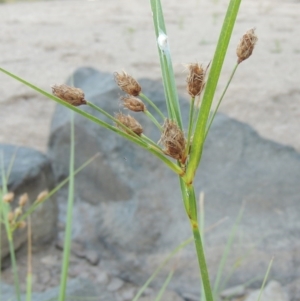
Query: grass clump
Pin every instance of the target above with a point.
(182, 154)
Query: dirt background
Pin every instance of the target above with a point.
(44, 42)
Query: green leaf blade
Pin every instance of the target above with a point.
(211, 85)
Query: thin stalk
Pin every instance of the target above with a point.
(1, 218)
(147, 139)
(202, 225)
(190, 128)
(220, 100)
(202, 261)
(121, 133)
(13, 259)
(164, 287)
(265, 279)
(158, 269)
(192, 214)
(226, 252)
(153, 105)
(153, 119)
(33, 207)
(29, 262)
(69, 219)
(9, 234)
(166, 63)
(115, 120)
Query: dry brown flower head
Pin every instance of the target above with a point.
(73, 96)
(8, 197)
(133, 104)
(173, 140)
(42, 195)
(246, 45)
(23, 199)
(195, 79)
(10, 217)
(129, 122)
(17, 212)
(21, 225)
(127, 83)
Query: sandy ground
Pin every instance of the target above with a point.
(44, 42)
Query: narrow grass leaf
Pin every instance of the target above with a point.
(210, 88)
(164, 287)
(265, 279)
(133, 139)
(5, 209)
(226, 252)
(158, 269)
(69, 218)
(166, 63)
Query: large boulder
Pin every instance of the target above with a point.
(129, 204)
(31, 173)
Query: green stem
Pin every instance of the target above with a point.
(220, 100)
(192, 214)
(153, 120)
(202, 262)
(153, 105)
(69, 219)
(9, 234)
(190, 128)
(13, 259)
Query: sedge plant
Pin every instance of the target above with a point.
(179, 152)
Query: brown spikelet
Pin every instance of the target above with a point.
(42, 196)
(73, 96)
(8, 197)
(195, 79)
(23, 199)
(129, 122)
(17, 212)
(21, 225)
(133, 104)
(127, 83)
(173, 140)
(246, 45)
(10, 217)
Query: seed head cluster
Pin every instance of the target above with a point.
(129, 122)
(73, 96)
(127, 83)
(14, 216)
(173, 140)
(133, 104)
(246, 45)
(195, 79)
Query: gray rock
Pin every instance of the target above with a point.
(75, 288)
(293, 289)
(31, 173)
(129, 206)
(167, 296)
(115, 284)
(232, 292)
(272, 292)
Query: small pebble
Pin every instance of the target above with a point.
(115, 284)
(102, 277)
(92, 257)
(233, 292)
